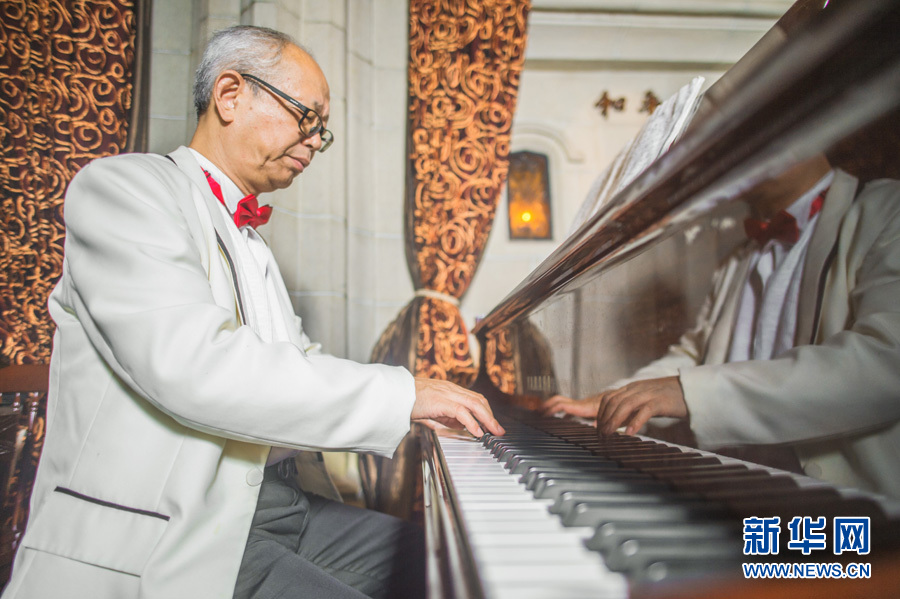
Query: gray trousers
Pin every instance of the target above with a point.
(305, 546)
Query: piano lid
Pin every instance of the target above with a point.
(786, 101)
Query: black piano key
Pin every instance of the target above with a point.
(705, 472)
(590, 472)
(635, 555)
(551, 488)
(633, 452)
(679, 570)
(810, 498)
(735, 485)
(508, 456)
(521, 465)
(675, 468)
(615, 443)
(669, 462)
(592, 514)
(501, 451)
(498, 448)
(610, 535)
(567, 501)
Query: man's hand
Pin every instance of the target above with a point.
(560, 404)
(441, 404)
(632, 404)
(635, 403)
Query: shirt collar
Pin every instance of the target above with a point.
(801, 207)
(231, 193)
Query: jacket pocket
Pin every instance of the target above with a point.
(96, 532)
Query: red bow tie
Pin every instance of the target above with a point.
(248, 211)
(782, 226)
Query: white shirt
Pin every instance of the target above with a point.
(766, 322)
(263, 278)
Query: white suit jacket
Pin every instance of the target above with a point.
(835, 397)
(164, 402)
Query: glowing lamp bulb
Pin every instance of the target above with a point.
(526, 216)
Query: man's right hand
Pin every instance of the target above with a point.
(629, 406)
(442, 404)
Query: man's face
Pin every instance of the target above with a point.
(271, 149)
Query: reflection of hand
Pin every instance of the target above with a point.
(584, 408)
(441, 404)
(635, 403)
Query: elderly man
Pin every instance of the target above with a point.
(799, 340)
(183, 390)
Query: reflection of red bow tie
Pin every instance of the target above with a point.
(248, 211)
(782, 226)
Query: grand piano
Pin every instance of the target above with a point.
(551, 509)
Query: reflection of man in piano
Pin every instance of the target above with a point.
(799, 340)
(182, 385)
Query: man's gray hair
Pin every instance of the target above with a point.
(243, 48)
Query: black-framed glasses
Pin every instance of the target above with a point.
(310, 123)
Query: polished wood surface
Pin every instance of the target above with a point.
(883, 584)
(24, 377)
(787, 103)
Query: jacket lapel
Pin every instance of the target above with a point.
(186, 162)
(724, 314)
(818, 255)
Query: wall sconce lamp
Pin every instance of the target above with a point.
(528, 193)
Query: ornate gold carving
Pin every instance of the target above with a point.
(499, 360)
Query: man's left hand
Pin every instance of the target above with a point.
(635, 403)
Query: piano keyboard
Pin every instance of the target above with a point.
(552, 510)
(521, 549)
